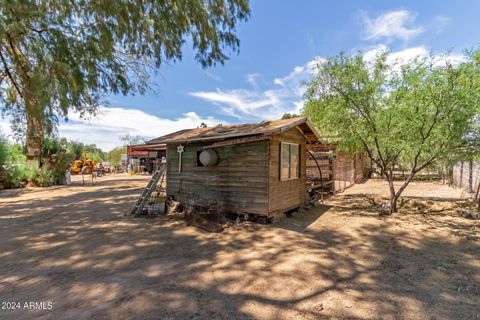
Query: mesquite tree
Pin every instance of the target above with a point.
(408, 115)
(58, 56)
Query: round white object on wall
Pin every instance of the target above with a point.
(208, 157)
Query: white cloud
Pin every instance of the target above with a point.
(213, 76)
(407, 55)
(281, 95)
(252, 79)
(239, 102)
(111, 123)
(284, 94)
(390, 26)
(400, 57)
(295, 78)
(440, 23)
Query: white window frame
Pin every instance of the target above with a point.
(282, 145)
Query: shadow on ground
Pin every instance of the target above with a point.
(79, 252)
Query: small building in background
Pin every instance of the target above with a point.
(253, 169)
(146, 157)
(123, 165)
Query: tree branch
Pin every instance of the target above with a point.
(9, 74)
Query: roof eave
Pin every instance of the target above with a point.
(314, 130)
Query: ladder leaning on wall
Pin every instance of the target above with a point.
(151, 186)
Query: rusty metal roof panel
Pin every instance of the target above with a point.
(267, 127)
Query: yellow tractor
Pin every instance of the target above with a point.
(78, 165)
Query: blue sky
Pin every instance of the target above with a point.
(278, 44)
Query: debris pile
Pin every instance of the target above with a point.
(469, 214)
(211, 217)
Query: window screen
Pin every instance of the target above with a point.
(289, 161)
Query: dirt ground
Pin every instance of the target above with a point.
(73, 247)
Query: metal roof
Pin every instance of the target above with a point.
(148, 147)
(267, 127)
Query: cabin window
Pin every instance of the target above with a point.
(289, 161)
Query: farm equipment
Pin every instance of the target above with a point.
(80, 166)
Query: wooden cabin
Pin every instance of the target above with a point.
(254, 169)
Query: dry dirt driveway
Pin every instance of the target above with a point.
(73, 247)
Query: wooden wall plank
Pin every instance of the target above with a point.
(238, 183)
(289, 193)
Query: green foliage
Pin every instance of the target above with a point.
(116, 154)
(3, 150)
(74, 150)
(58, 56)
(411, 115)
(57, 155)
(12, 163)
(50, 147)
(45, 177)
(16, 175)
(98, 157)
(290, 115)
(15, 154)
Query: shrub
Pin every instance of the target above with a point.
(16, 175)
(45, 177)
(3, 150)
(3, 159)
(15, 154)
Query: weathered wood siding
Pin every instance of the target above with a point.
(238, 183)
(359, 166)
(288, 194)
(348, 170)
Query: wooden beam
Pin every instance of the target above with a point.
(303, 134)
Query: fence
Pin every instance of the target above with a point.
(320, 156)
(347, 170)
(339, 170)
(466, 175)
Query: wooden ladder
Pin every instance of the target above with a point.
(152, 184)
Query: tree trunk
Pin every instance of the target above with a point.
(33, 110)
(33, 139)
(477, 196)
(393, 195)
(393, 204)
(470, 176)
(396, 196)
